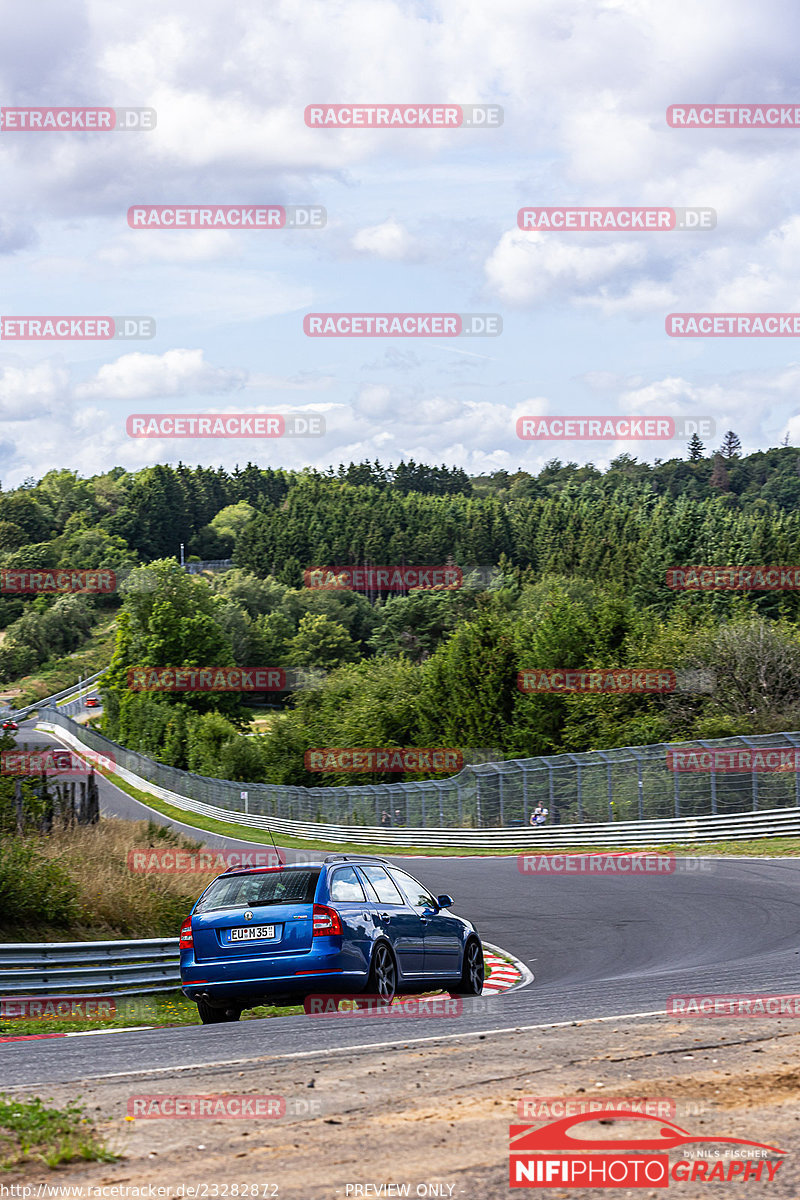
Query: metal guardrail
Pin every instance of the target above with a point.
(58, 968)
(770, 822)
(209, 564)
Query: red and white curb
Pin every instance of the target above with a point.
(506, 972)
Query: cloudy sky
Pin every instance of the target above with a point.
(417, 221)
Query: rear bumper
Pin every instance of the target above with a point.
(291, 976)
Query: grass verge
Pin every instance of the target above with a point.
(30, 1132)
(165, 1008)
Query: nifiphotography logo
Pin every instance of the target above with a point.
(557, 1155)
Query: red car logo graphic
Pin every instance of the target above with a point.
(557, 1136)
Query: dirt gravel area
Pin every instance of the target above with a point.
(433, 1119)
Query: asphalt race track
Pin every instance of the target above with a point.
(599, 946)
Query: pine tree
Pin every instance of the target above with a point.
(731, 446)
(696, 449)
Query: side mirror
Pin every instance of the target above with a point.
(445, 901)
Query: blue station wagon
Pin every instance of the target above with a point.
(349, 924)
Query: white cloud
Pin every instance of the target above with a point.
(526, 268)
(141, 377)
(27, 391)
(390, 241)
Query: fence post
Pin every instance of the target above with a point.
(677, 794)
(580, 793)
(93, 800)
(46, 823)
(524, 794)
(18, 806)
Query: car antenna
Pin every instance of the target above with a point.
(274, 847)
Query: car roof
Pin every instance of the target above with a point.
(330, 860)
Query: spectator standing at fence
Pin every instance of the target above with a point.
(540, 815)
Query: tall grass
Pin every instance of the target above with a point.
(76, 883)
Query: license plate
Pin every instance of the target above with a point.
(253, 933)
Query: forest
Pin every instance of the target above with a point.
(564, 568)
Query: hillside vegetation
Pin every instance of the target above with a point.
(566, 568)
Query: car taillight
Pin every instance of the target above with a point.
(186, 939)
(326, 921)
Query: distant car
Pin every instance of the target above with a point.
(93, 702)
(10, 725)
(348, 924)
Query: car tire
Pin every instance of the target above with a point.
(382, 980)
(473, 971)
(210, 1015)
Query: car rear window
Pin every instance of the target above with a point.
(268, 887)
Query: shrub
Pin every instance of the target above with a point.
(34, 889)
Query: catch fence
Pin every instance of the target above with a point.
(629, 784)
